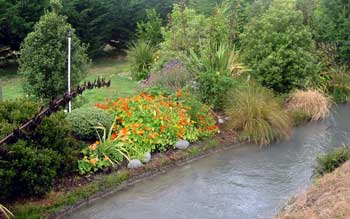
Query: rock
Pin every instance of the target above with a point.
(147, 158)
(182, 144)
(221, 121)
(133, 164)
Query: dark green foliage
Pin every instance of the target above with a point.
(43, 60)
(279, 48)
(150, 30)
(15, 112)
(212, 88)
(31, 166)
(84, 121)
(333, 159)
(299, 118)
(333, 26)
(17, 19)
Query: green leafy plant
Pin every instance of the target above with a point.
(8, 214)
(256, 115)
(140, 54)
(150, 30)
(279, 48)
(103, 153)
(327, 163)
(83, 121)
(34, 163)
(185, 30)
(338, 84)
(43, 60)
(148, 123)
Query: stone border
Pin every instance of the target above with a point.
(147, 174)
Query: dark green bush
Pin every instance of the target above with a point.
(32, 164)
(213, 86)
(299, 118)
(327, 163)
(83, 121)
(279, 48)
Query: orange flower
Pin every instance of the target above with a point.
(93, 161)
(123, 132)
(179, 93)
(152, 135)
(114, 136)
(140, 132)
(136, 125)
(92, 147)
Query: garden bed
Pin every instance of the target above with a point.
(81, 191)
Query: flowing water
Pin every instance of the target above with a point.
(247, 182)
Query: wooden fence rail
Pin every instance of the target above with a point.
(54, 106)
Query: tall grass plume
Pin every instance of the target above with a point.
(257, 115)
(311, 102)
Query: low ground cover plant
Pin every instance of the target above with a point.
(313, 103)
(256, 115)
(328, 162)
(145, 123)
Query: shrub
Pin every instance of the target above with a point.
(84, 121)
(140, 54)
(333, 26)
(299, 118)
(339, 84)
(28, 171)
(185, 30)
(311, 102)
(279, 48)
(333, 159)
(213, 86)
(256, 115)
(43, 60)
(173, 76)
(33, 163)
(150, 31)
(104, 153)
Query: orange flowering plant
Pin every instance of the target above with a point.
(146, 123)
(103, 153)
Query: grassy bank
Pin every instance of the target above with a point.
(58, 202)
(113, 69)
(328, 198)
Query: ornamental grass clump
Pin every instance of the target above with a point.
(311, 102)
(256, 115)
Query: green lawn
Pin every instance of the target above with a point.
(112, 69)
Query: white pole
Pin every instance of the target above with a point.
(69, 58)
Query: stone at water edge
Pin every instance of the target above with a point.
(147, 158)
(221, 121)
(133, 164)
(182, 144)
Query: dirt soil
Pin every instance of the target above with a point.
(328, 198)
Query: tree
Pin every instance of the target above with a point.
(150, 30)
(43, 60)
(17, 19)
(333, 26)
(279, 48)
